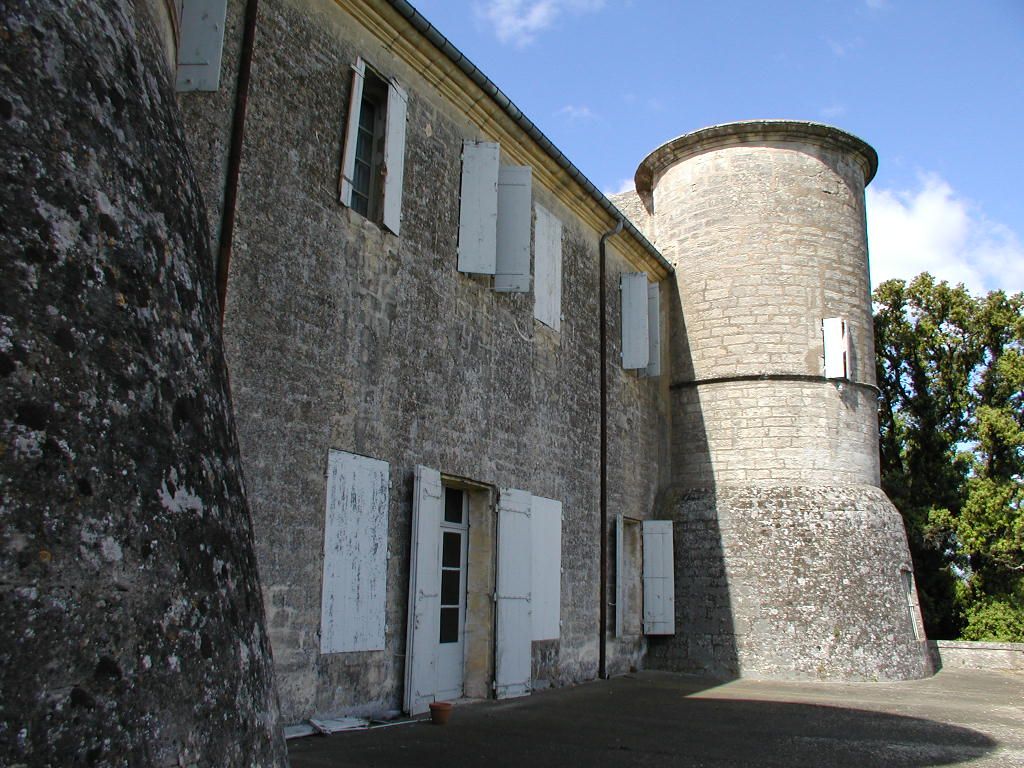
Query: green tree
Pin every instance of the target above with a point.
(951, 421)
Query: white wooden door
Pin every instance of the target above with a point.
(451, 639)
(513, 651)
(659, 578)
(424, 592)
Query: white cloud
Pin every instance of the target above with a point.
(841, 48)
(520, 21)
(626, 185)
(577, 112)
(933, 229)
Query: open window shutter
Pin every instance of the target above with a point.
(478, 208)
(394, 156)
(348, 154)
(201, 45)
(354, 589)
(547, 283)
(659, 578)
(512, 271)
(546, 567)
(514, 625)
(635, 348)
(653, 329)
(424, 588)
(620, 567)
(837, 348)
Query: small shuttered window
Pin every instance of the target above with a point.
(373, 158)
(835, 333)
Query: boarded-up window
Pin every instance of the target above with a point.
(835, 333)
(201, 42)
(635, 342)
(512, 271)
(478, 208)
(546, 567)
(547, 298)
(354, 588)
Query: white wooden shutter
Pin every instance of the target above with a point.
(201, 45)
(424, 592)
(653, 329)
(514, 625)
(478, 207)
(635, 349)
(836, 337)
(620, 567)
(348, 153)
(659, 578)
(546, 567)
(394, 156)
(512, 271)
(354, 588)
(547, 283)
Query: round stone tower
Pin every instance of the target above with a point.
(792, 563)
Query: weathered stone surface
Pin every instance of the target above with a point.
(131, 625)
(340, 335)
(790, 582)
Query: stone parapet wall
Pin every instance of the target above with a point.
(966, 654)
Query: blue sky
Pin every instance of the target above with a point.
(937, 87)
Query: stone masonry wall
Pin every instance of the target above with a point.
(753, 599)
(341, 335)
(131, 626)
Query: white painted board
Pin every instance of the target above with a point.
(424, 592)
(514, 624)
(547, 290)
(512, 270)
(635, 348)
(478, 208)
(354, 588)
(201, 44)
(394, 156)
(348, 152)
(546, 567)
(659, 578)
(620, 567)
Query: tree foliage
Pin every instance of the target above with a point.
(951, 423)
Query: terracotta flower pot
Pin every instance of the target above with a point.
(440, 711)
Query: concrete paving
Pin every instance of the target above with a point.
(958, 717)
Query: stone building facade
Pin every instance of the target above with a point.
(481, 413)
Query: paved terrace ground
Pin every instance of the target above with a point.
(958, 717)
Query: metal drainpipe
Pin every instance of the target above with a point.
(227, 221)
(602, 666)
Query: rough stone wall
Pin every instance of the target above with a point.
(341, 335)
(774, 432)
(770, 240)
(789, 557)
(753, 598)
(131, 629)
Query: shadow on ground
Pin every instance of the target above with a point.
(652, 719)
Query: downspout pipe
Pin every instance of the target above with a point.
(227, 221)
(602, 301)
